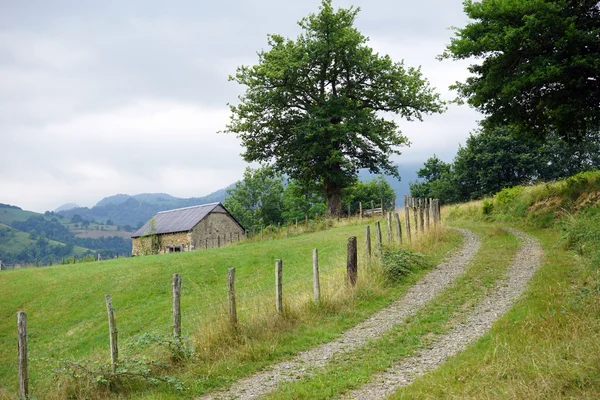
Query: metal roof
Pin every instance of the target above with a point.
(178, 220)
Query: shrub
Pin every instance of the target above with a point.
(400, 262)
(487, 207)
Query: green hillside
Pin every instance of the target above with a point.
(67, 319)
(13, 241)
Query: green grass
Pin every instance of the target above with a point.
(67, 318)
(352, 370)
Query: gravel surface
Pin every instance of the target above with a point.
(372, 328)
(527, 260)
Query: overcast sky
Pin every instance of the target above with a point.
(106, 97)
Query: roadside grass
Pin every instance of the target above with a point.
(67, 317)
(354, 369)
(546, 346)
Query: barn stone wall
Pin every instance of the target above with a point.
(217, 229)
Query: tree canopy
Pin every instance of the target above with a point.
(540, 65)
(315, 107)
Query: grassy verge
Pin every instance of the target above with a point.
(66, 310)
(354, 369)
(547, 346)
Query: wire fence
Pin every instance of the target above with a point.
(205, 303)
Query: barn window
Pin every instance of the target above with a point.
(174, 249)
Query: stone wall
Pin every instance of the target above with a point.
(217, 229)
(143, 245)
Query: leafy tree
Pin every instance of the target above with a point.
(314, 107)
(257, 199)
(76, 218)
(438, 181)
(540, 68)
(562, 160)
(493, 159)
(375, 190)
(109, 222)
(300, 201)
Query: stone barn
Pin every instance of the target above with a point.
(187, 229)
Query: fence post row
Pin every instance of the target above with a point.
(231, 297)
(22, 354)
(176, 306)
(112, 328)
(352, 262)
(278, 286)
(316, 284)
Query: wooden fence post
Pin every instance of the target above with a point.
(99, 257)
(22, 354)
(360, 209)
(368, 244)
(389, 227)
(231, 297)
(316, 284)
(407, 217)
(378, 234)
(422, 214)
(74, 259)
(352, 262)
(415, 212)
(398, 227)
(372, 209)
(278, 286)
(176, 306)
(428, 213)
(296, 225)
(349, 210)
(112, 328)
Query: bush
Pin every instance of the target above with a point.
(487, 207)
(398, 263)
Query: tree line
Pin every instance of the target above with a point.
(264, 197)
(495, 158)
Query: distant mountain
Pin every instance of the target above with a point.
(65, 207)
(123, 209)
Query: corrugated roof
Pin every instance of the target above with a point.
(178, 220)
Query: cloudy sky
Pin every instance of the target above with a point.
(106, 97)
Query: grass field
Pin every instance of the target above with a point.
(67, 317)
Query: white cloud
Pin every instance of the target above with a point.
(145, 147)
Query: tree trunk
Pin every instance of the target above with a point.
(334, 198)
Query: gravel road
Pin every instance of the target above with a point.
(492, 307)
(304, 363)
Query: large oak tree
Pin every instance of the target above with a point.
(538, 65)
(315, 108)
